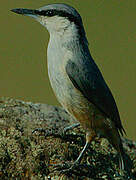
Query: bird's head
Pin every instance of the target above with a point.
(57, 18)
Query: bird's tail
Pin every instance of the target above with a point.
(121, 162)
(125, 162)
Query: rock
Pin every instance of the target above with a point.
(28, 154)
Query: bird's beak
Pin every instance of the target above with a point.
(27, 12)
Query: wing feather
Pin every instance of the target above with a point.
(88, 79)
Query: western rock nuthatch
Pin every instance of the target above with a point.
(75, 78)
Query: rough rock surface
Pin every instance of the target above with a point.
(28, 154)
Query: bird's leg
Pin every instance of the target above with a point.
(89, 138)
(78, 160)
(90, 135)
(67, 168)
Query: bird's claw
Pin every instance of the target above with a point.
(38, 129)
(48, 132)
(67, 168)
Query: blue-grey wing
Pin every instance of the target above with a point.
(88, 79)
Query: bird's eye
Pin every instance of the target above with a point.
(49, 13)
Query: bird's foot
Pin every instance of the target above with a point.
(71, 127)
(76, 167)
(69, 168)
(48, 132)
(51, 132)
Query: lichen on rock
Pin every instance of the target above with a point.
(29, 154)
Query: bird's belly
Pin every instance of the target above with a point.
(73, 101)
(69, 97)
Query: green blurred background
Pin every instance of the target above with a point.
(111, 31)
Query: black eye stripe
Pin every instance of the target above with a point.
(54, 12)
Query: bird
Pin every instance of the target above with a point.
(75, 77)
